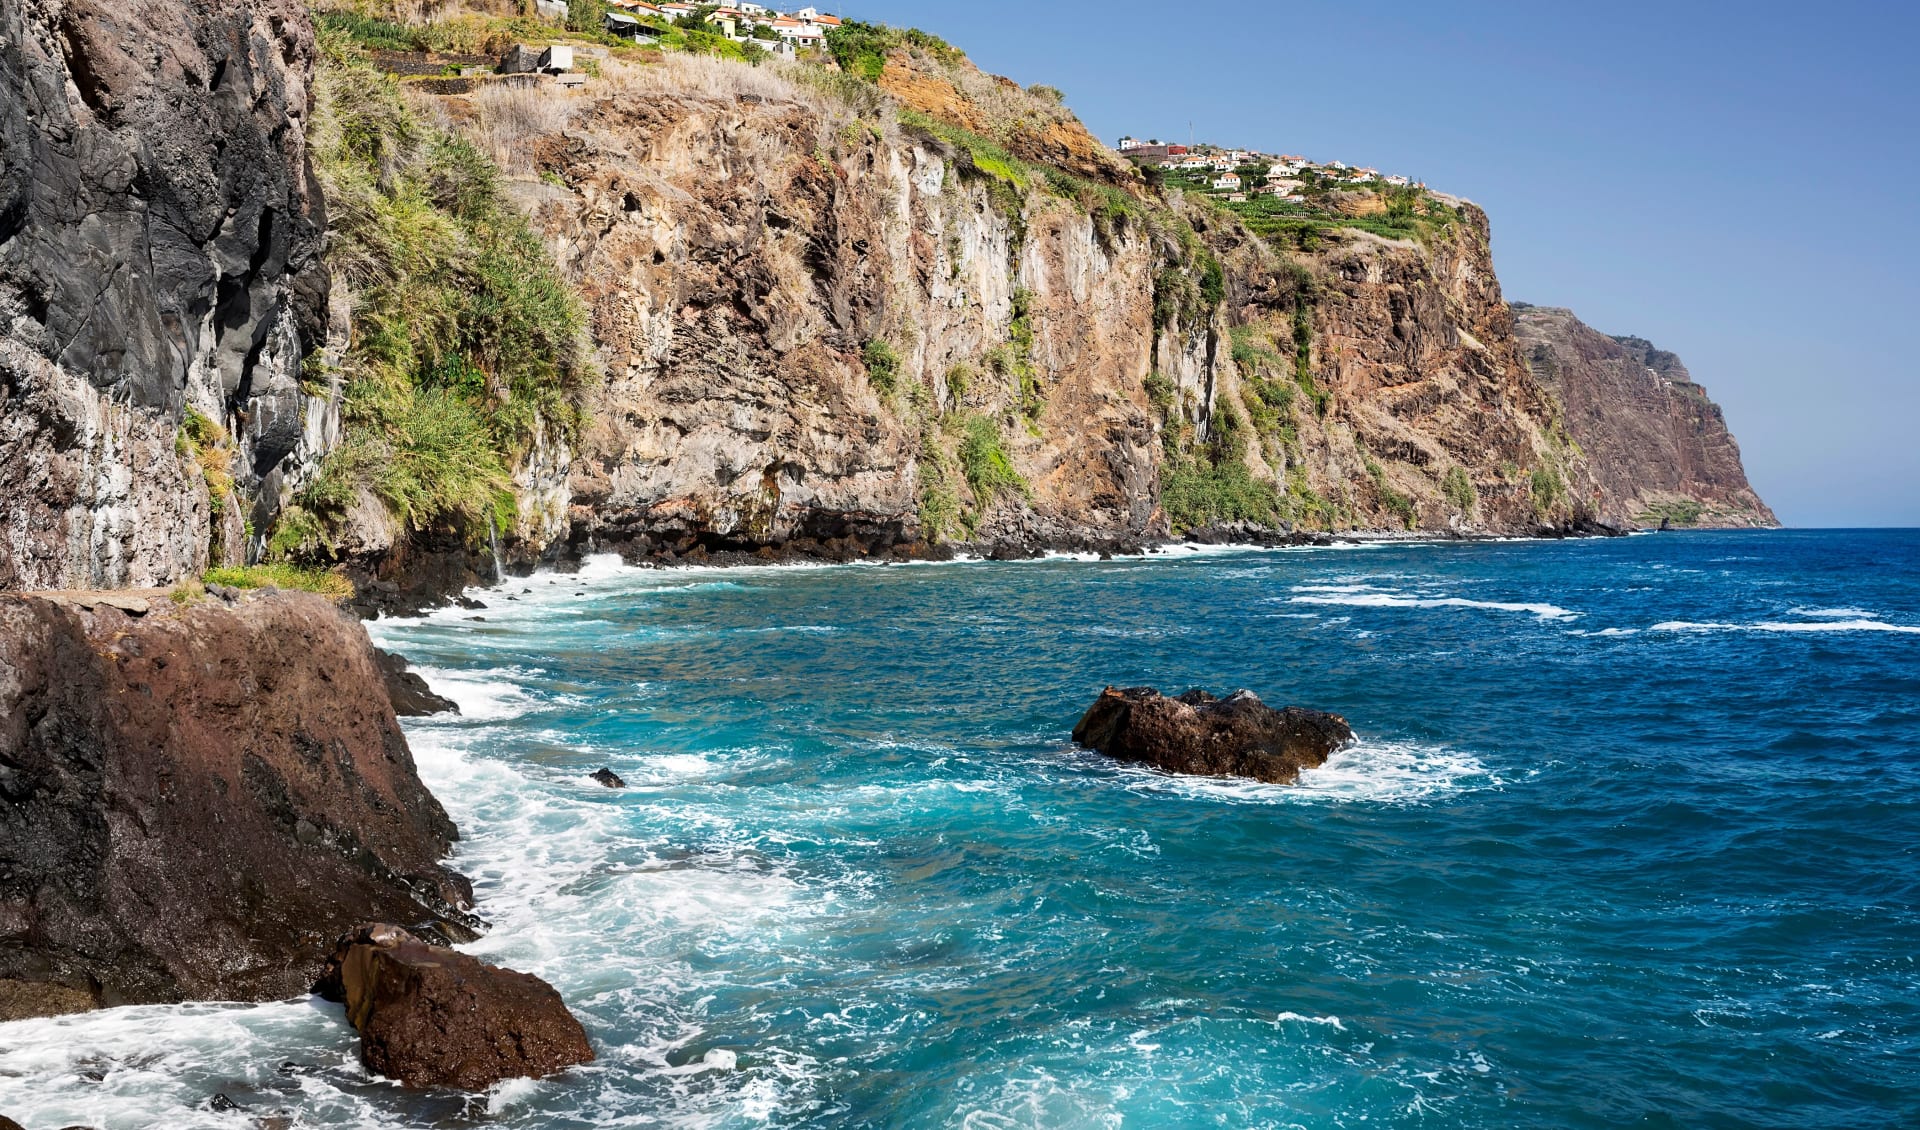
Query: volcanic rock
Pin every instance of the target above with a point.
(1658, 446)
(410, 694)
(609, 778)
(196, 802)
(1238, 736)
(433, 1017)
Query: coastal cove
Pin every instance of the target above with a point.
(1625, 840)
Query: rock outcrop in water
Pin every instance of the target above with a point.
(1659, 448)
(1197, 733)
(198, 800)
(407, 691)
(160, 242)
(433, 1017)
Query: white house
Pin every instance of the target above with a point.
(1127, 143)
(1228, 181)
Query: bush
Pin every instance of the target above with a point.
(586, 15)
(1159, 392)
(984, 462)
(1197, 492)
(1458, 487)
(1548, 490)
(883, 365)
(466, 339)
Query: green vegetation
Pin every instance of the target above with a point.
(883, 365)
(1007, 178)
(1459, 490)
(984, 462)
(959, 379)
(1303, 504)
(1269, 402)
(939, 506)
(1303, 358)
(1409, 212)
(1213, 485)
(474, 33)
(1395, 503)
(1549, 490)
(279, 575)
(1013, 359)
(1159, 392)
(1680, 512)
(211, 449)
(466, 340)
(861, 48)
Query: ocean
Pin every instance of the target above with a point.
(1630, 837)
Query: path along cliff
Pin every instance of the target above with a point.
(424, 329)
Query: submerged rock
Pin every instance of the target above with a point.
(410, 694)
(1238, 736)
(433, 1017)
(195, 802)
(609, 778)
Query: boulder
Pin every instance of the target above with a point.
(609, 778)
(1236, 736)
(410, 694)
(434, 1017)
(196, 801)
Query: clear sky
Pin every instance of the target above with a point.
(1739, 183)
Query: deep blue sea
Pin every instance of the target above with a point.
(1631, 838)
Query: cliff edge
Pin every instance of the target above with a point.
(1658, 446)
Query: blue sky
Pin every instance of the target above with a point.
(1736, 182)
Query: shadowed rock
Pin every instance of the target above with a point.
(433, 1017)
(1238, 736)
(609, 778)
(411, 696)
(195, 802)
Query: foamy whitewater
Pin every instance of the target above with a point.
(1628, 839)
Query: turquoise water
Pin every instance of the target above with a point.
(1629, 839)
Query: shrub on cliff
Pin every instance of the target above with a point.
(988, 470)
(466, 341)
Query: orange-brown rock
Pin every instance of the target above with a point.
(1032, 126)
(430, 1016)
(1658, 445)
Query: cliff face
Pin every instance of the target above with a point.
(822, 323)
(159, 240)
(196, 801)
(1658, 446)
(802, 313)
(833, 317)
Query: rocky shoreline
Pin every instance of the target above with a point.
(451, 572)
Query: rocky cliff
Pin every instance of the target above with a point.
(893, 308)
(159, 264)
(1657, 445)
(197, 799)
(835, 323)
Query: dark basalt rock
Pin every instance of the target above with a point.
(1238, 736)
(609, 778)
(410, 694)
(194, 803)
(433, 1017)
